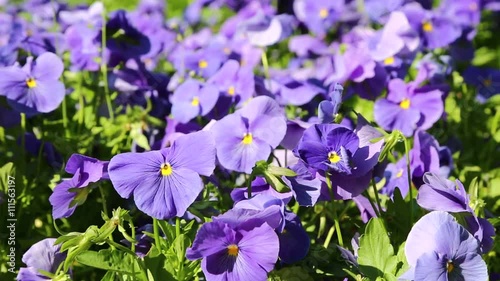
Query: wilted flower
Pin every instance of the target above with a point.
(165, 182)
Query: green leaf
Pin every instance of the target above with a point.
(376, 254)
(156, 269)
(403, 265)
(111, 260)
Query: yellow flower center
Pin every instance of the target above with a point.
(427, 26)
(333, 157)
(31, 83)
(247, 138)
(399, 174)
(487, 82)
(227, 51)
(405, 104)
(202, 64)
(323, 13)
(449, 267)
(232, 250)
(166, 170)
(389, 60)
(231, 91)
(195, 101)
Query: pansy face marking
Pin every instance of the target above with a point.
(166, 169)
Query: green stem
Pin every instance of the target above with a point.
(249, 185)
(379, 207)
(329, 237)
(177, 227)
(408, 171)
(265, 63)
(335, 216)
(156, 233)
(65, 119)
(103, 201)
(104, 69)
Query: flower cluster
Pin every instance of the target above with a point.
(253, 136)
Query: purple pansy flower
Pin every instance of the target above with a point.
(35, 87)
(486, 81)
(440, 249)
(424, 156)
(71, 193)
(84, 52)
(365, 208)
(440, 194)
(123, 40)
(167, 181)
(41, 256)
(435, 29)
(294, 241)
(408, 107)
(347, 157)
(235, 254)
(249, 134)
(318, 15)
(260, 186)
(234, 81)
(396, 175)
(193, 99)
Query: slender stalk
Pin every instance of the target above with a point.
(249, 185)
(329, 237)
(334, 212)
(103, 200)
(104, 69)
(408, 171)
(379, 207)
(156, 233)
(371, 203)
(177, 227)
(265, 63)
(65, 118)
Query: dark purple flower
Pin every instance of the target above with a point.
(230, 254)
(72, 193)
(486, 81)
(347, 157)
(249, 134)
(294, 241)
(167, 181)
(35, 146)
(294, 131)
(408, 107)
(192, 99)
(122, 38)
(438, 248)
(35, 87)
(41, 256)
